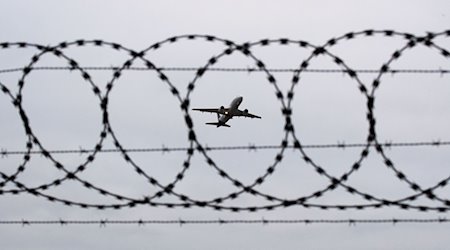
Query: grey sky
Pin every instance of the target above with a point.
(328, 108)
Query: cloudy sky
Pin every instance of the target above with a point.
(328, 108)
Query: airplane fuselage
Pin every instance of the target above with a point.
(231, 111)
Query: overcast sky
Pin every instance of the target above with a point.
(64, 113)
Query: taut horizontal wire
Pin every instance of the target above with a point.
(249, 70)
(141, 222)
(4, 152)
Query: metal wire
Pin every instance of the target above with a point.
(250, 147)
(248, 70)
(289, 139)
(181, 222)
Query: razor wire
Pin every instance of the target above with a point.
(288, 140)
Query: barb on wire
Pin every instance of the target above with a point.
(4, 153)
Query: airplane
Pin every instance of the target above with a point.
(225, 114)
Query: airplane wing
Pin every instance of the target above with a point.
(246, 114)
(223, 111)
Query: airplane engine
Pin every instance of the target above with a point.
(246, 111)
(221, 109)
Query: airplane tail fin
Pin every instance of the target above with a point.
(218, 124)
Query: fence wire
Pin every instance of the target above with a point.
(181, 222)
(289, 140)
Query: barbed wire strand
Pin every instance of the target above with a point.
(251, 147)
(230, 69)
(142, 222)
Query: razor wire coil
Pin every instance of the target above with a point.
(289, 139)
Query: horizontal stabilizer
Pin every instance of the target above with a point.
(218, 124)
